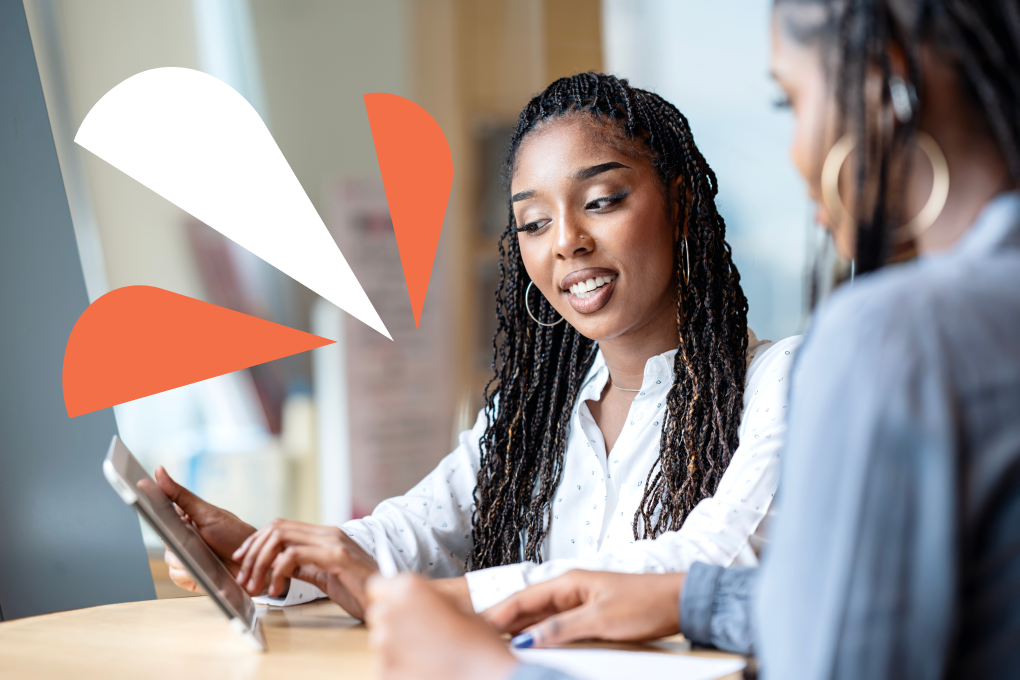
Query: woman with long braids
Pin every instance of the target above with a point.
(897, 550)
(616, 433)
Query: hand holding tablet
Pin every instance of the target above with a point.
(134, 485)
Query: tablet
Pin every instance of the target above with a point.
(134, 485)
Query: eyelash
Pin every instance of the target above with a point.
(782, 103)
(609, 200)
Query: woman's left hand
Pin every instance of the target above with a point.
(421, 633)
(286, 548)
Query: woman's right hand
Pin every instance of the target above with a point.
(222, 531)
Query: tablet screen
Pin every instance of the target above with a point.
(182, 538)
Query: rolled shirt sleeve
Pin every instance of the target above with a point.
(716, 607)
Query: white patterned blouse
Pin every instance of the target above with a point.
(429, 527)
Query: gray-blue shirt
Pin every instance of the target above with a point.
(897, 552)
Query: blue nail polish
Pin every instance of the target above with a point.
(523, 641)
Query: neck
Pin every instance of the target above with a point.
(977, 173)
(627, 353)
(977, 168)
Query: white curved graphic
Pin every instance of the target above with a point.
(199, 144)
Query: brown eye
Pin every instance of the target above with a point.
(532, 227)
(606, 201)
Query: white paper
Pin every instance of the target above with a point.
(610, 664)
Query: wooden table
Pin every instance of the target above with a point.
(188, 639)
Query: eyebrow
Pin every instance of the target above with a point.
(595, 170)
(586, 173)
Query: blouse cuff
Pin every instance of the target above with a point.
(491, 586)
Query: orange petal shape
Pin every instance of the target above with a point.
(417, 172)
(139, 340)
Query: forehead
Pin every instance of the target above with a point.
(558, 147)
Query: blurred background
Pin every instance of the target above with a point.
(324, 436)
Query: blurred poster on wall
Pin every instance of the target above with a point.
(400, 391)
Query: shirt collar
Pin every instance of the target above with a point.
(656, 367)
(996, 228)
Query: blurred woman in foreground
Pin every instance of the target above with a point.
(897, 553)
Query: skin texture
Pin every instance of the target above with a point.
(583, 605)
(439, 642)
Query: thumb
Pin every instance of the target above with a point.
(582, 623)
(186, 500)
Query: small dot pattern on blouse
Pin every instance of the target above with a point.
(430, 526)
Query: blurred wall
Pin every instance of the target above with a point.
(473, 64)
(711, 60)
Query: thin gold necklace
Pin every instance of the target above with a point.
(622, 389)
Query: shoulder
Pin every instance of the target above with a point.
(775, 358)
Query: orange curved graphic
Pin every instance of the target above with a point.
(417, 172)
(139, 340)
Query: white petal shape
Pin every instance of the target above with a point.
(199, 144)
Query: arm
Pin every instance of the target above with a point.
(717, 530)
(429, 527)
(418, 633)
(429, 530)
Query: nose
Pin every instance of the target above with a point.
(571, 238)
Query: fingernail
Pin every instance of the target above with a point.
(523, 641)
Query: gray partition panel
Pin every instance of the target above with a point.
(66, 539)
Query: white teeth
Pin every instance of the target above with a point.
(584, 288)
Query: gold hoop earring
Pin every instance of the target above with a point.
(528, 307)
(932, 207)
(687, 256)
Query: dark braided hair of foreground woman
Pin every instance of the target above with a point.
(539, 369)
(981, 37)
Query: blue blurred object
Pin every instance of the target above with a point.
(66, 539)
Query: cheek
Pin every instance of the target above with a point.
(538, 259)
(804, 151)
(646, 243)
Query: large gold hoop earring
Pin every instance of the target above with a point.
(528, 307)
(939, 187)
(932, 207)
(687, 256)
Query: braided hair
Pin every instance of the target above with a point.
(981, 37)
(538, 370)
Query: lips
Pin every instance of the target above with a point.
(589, 290)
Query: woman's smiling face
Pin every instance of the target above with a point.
(591, 215)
